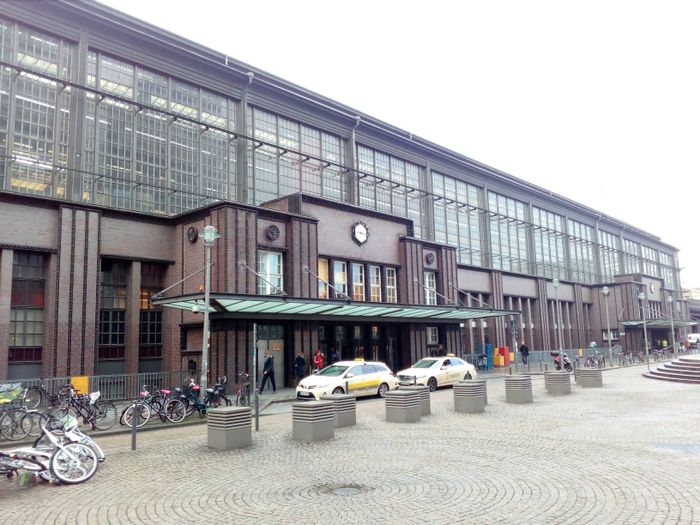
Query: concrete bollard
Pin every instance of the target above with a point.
(344, 409)
(469, 396)
(229, 428)
(591, 378)
(313, 421)
(403, 406)
(518, 389)
(557, 383)
(424, 397)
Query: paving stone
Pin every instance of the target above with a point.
(626, 453)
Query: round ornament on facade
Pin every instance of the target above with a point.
(273, 232)
(430, 258)
(192, 234)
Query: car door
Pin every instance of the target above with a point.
(372, 378)
(444, 373)
(457, 370)
(356, 383)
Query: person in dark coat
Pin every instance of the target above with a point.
(268, 372)
(299, 366)
(524, 352)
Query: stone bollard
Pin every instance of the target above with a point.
(557, 383)
(344, 408)
(424, 397)
(229, 427)
(313, 421)
(519, 389)
(591, 378)
(403, 406)
(470, 396)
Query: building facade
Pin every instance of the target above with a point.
(119, 142)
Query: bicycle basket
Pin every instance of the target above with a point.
(94, 397)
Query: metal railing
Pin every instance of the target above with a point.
(113, 387)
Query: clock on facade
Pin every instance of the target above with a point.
(273, 232)
(430, 258)
(360, 233)
(192, 234)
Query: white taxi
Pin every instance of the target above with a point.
(437, 371)
(362, 378)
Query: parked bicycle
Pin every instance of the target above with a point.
(243, 390)
(596, 360)
(217, 393)
(38, 395)
(154, 403)
(100, 415)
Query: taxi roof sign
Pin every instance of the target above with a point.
(360, 359)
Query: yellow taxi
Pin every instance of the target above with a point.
(362, 378)
(434, 372)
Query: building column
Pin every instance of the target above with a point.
(6, 259)
(133, 318)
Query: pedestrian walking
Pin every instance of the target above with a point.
(524, 352)
(318, 359)
(268, 372)
(299, 366)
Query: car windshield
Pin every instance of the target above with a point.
(425, 363)
(333, 370)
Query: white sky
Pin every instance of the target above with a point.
(598, 101)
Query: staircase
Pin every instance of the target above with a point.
(681, 370)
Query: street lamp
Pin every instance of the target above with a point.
(641, 297)
(669, 299)
(209, 235)
(606, 294)
(557, 334)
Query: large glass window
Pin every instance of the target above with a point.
(112, 327)
(430, 284)
(274, 170)
(668, 272)
(650, 261)
(457, 217)
(375, 284)
(631, 256)
(270, 269)
(150, 317)
(608, 253)
(41, 109)
(358, 282)
(340, 279)
(508, 227)
(27, 307)
(548, 236)
(392, 188)
(323, 274)
(391, 293)
(581, 252)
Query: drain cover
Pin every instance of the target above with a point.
(346, 491)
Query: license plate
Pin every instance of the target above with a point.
(304, 394)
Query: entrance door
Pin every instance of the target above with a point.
(271, 338)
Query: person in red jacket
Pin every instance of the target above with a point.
(318, 359)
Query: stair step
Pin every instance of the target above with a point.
(674, 373)
(673, 379)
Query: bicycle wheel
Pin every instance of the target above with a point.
(104, 415)
(175, 411)
(73, 463)
(143, 411)
(189, 408)
(33, 398)
(15, 425)
(39, 419)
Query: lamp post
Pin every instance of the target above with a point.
(209, 235)
(606, 293)
(641, 297)
(669, 299)
(557, 333)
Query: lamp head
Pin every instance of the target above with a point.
(195, 308)
(606, 291)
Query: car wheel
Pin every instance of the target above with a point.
(383, 389)
(432, 384)
(467, 375)
(337, 390)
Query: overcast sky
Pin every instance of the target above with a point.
(598, 101)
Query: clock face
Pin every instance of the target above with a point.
(360, 233)
(192, 234)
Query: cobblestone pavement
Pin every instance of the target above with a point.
(626, 453)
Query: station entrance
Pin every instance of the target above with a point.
(369, 341)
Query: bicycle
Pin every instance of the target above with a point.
(243, 390)
(100, 415)
(15, 423)
(37, 395)
(218, 393)
(154, 403)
